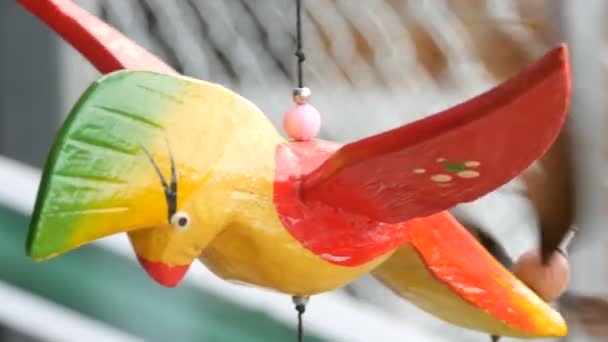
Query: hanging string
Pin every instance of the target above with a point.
(299, 53)
(303, 121)
(300, 308)
(300, 303)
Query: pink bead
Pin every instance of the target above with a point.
(302, 122)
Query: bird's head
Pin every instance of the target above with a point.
(167, 250)
(110, 170)
(156, 156)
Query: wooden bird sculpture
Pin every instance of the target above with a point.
(190, 170)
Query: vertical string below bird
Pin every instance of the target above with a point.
(300, 303)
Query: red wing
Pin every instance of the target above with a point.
(452, 157)
(105, 47)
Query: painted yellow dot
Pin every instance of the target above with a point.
(441, 160)
(419, 171)
(468, 174)
(441, 178)
(472, 163)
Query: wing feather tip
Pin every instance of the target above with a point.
(554, 66)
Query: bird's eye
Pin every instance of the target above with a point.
(180, 220)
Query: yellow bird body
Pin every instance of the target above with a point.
(253, 245)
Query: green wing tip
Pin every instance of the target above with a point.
(36, 249)
(46, 240)
(38, 254)
(33, 248)
(42, 249)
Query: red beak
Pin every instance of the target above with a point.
(166, 275)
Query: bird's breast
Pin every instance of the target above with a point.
(257, 247)
(338, 237)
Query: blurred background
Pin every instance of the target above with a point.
(372, 65)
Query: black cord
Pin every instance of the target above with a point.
(299, 53)
(300, 308)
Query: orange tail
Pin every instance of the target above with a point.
(446, 272)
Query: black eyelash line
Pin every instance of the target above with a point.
(170, 189)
